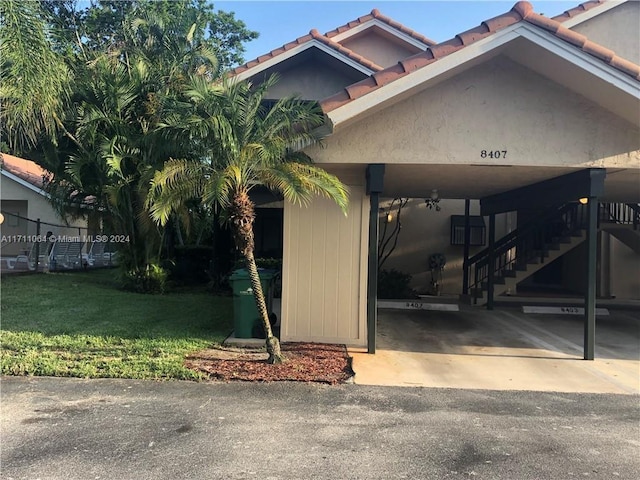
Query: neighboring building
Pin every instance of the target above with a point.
(23, 200)
(521, 116)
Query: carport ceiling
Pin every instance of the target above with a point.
(477, 181)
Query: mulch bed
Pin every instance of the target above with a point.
(306, 362)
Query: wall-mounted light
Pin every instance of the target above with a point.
(1, 219)
(389, 217)
(584, 200)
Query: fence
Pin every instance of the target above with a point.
(33, 245)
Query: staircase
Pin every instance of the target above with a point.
(531, 247)
(622, 220)
(526, 250)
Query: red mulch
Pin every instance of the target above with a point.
(305, 362)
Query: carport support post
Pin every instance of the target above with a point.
(590, 294)
(492, 260)
(375, 181)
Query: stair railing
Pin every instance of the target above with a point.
(525, 244)
(620, 214)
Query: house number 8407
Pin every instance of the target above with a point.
(493, 154)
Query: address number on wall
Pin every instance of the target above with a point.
(493, 154)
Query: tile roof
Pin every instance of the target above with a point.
(522, 11)
(583, 7)
(312, 35)
(375, 14)
(27, 170)
(326, 39)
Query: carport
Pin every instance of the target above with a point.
(585, 184)
(502, 349)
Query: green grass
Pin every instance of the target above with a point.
(81, 325)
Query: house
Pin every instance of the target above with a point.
(27, 212)
(525, 124)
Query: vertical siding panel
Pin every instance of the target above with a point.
(355, 269)
(316, 260)
(322, 272)
(332, 267)
(289, 271)
(305, 273)
(345, 274)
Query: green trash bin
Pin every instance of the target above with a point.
(245, 312)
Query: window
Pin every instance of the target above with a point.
(476, 225)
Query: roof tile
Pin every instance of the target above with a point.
(502, 21)
(543, 22)
(375, 13)
(473, 35)
(598, 51)
(626, 66)
(446, 48)
(583, 7)
(389, 74)
(312, 35)
(417, 61)
(27, 170)
(356, 90)
(572, 37)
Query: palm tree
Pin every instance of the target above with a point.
(248, 144)
(34, 79)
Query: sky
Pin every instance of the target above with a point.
(280, 22)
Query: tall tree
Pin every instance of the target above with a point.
(250, 143)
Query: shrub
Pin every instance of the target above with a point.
(395, 284)
(149, 279)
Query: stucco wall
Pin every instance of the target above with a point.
(496, 106)
(35, 206)
(625, 271)
(382, 51)
(311, 80)
(324, 271)
(616, 29)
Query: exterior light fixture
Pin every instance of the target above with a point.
(433, 202)
(1, 219)
(584, 200)
(389, 217)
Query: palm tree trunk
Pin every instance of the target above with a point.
(273, 345)
(242, 215)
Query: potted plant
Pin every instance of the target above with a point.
(436, 262)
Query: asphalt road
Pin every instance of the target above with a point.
(120, 429)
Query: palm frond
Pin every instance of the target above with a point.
(298, 182)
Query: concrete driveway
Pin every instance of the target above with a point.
(503, 349)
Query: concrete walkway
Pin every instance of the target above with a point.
(504, 349)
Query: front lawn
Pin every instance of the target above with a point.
(80, 324)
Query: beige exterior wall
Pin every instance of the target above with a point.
(34, 206)
(324, 271)
(616, 29)
(625, 271)
(496, 106)
(381, 51)
(311, 80)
